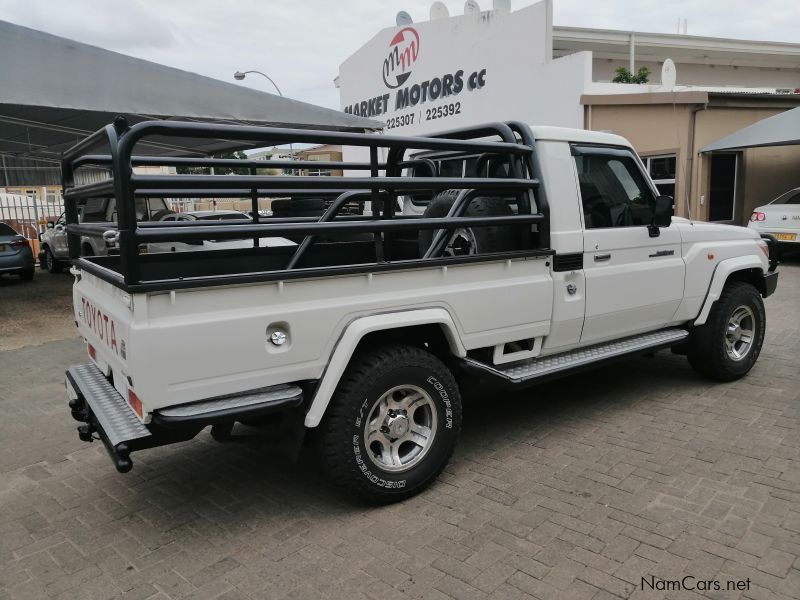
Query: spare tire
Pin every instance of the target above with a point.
(471, 240)
(159, 216)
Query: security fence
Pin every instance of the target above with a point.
(29, 213)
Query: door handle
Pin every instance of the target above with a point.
(601, 257)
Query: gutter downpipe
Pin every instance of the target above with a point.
(690, 156)
(631, 52)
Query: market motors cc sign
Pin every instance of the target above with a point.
(403, 53)
(403, 57)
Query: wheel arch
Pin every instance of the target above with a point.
(432, 327)
(749, 269)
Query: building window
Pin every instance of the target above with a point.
(662, 171)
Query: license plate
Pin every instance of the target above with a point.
(783, 237)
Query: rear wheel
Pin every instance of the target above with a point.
(52, 264)
(392, 424)
(727, 346)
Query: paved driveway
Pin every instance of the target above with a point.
(576, 489)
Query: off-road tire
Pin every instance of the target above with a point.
(488, 239)
(27, 274)
(706, 349)
(342, 440)
(51, 263)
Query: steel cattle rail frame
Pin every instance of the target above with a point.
(381, 190)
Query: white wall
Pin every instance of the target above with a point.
(510, 52)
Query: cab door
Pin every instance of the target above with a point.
(634, 282)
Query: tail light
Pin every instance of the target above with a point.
(758, 216)
(18, 243)
(92, 351)
(135, 402)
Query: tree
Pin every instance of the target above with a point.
(623, 75)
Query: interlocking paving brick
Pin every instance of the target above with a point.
(574, 489)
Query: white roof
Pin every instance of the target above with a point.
(567, 134)
(615, 44)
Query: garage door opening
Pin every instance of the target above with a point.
(722, 187)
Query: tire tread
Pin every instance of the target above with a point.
(364, 368)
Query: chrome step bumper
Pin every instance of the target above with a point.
(105, 414)
(574, 360)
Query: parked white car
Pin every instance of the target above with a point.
(212, 215)
(780, 218)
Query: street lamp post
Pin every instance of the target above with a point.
(240, 75)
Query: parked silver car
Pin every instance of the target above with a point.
(54, 252)
(16, 256)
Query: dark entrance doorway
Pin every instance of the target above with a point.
(722, 187)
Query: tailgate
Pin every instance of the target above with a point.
(104, 316)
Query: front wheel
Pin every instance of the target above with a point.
(51, 263)
(727, 346)
(392, 424)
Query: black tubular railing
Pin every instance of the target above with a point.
(383, 186)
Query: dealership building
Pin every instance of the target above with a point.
(496, 65)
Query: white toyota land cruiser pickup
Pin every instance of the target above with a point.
(550, 251)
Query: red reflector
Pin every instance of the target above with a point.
(134, 401)
(92, 351)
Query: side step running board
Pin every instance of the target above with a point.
(554, 365)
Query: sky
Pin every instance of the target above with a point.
(300, 43)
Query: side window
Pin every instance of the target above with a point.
(613, 189)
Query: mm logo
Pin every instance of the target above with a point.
(403, 52)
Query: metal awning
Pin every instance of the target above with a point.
(55, 91)
(779, 130)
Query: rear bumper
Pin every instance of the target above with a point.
(19, 261)
(105, 415)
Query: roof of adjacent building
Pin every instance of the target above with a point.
(614, 44)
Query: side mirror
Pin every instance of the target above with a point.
(662, 215)
(50, 225)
